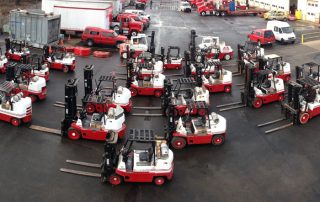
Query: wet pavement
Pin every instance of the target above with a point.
(250, 166)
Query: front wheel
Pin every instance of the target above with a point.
(178, 142)
(134, 92)
(223, 14)
(203, 13)
(257, 103)
(304, 118)
(115, 179)
(217, 140)
(89, 42)
(73, 134)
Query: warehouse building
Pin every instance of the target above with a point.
(307, 9)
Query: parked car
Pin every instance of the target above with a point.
(185, 6)
(276, 15)
(262, 36)
(95, 35)
(282, 31)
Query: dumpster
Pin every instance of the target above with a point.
(34, 26)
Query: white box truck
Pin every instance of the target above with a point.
(282, 31)
(78, 14)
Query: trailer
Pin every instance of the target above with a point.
(72, 11)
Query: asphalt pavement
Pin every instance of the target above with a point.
(250, 166)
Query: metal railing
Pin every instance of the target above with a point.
(310, 37)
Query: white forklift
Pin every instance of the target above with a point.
(93, 127)
(214, 46)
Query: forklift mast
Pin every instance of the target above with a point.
(88, 75)
(192, 47)
(109, 160)
(171, 127)
(187, 67)
(46, 52)
(166, 99)
(152, 47)
(247, 95)
(70, 113)
(262, 63)
(291, 106)
(8, 44)
(11, 71)
(129, 73)
(199, 67)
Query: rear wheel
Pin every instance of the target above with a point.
(223, 14)
(304, 118)
(257, 103)
(217, 140)
(89, 42)
(73, 134)
(15, 122)
(159, 181)
(203, 13)
(134, 92)
(285, 19)
(115, 179)
(217, 13)
(178, 142)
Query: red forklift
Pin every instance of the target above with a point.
(143, 158)
(102, 98)
(148, 86)
(58, 58)
(183, 104)
(16, 49)
(39, 67)
(260, 88)
(303, 100)
(78, 125)
(208, 129)
(173, 60)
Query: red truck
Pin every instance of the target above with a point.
(206, 9)
(138, 18)
(95, 35)
(126, 25)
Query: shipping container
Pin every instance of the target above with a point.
(34, 26)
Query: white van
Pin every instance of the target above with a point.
(282, 31)
(138, 12)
